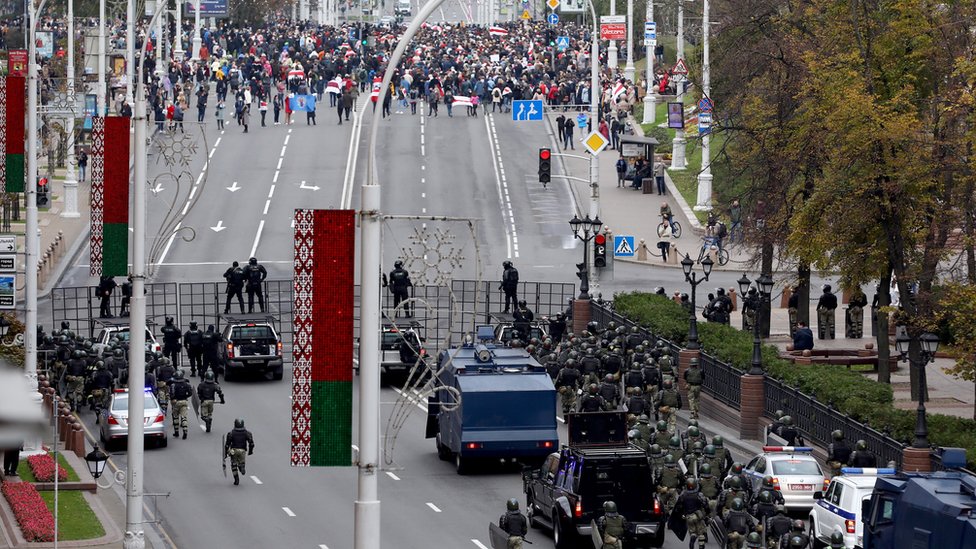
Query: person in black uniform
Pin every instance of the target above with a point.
(239, 443)
(557, 327)
(234, 275)
(825, 313)
(778, 525)
(523, 320)
(164, 376)
(172, 341)
(193, 341)
(106, 285)
(838, 452)
(11, 458)
(126, 297)
(255, 275)
(211, 351)
(101, 389)
(789, 432)
(591, 401)
(399, 282)
(514, 524)
(862, 457)
(693, 506)
(509, 285)
(206, 390)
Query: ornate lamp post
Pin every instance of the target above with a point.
(586, 230)
(929, 346)
(693, 279)
(765, 284)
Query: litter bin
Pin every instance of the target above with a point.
(648, 185)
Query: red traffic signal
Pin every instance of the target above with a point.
(544, 154)
(545, 166)
(600, 239)
(600, 250)
(41, 183)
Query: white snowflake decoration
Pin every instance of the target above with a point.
(432, 257)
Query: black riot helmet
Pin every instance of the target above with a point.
(512, 503)
(239, 423)
(252, 261)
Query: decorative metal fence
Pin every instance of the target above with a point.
(816, 421)
(443, 313)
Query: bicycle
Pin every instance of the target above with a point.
(674, 226)
(708, 242)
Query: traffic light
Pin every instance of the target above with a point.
(43, 192)
(600, 250)
(545, 166)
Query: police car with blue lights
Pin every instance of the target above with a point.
(114, 424)
(796, 474)
(838, 509)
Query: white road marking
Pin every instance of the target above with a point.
(217, 142)
(280, 160)
(267, 204)
(257, 239)
(256, 480)
(423, 195)
(423, 150)
(323, 546)
(287, 137)
(501, 183)
(193, 193)
(288, 511)
(433, 507)
(275, 178)
(391, 475)
(560, 420)
(271, 191)
(479, 544)
(283, 148)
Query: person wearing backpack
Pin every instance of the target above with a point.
(621, 171)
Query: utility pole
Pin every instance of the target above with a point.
(678, 161)
(612, 48)
(650, 100)
(100, 103)
(629, 69)
(160, 37)
(705, 176)
(71, 177)
(130, 45)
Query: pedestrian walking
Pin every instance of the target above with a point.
(659, 178)
(82, 165)
(276, 105)
(180, 392)
(263, 109)
(245, 116)
(220, 110)
(310, 113)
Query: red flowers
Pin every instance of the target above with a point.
(42, 465)
(35, 519)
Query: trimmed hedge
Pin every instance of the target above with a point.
(851, 393)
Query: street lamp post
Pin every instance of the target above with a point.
(629, 67)
(678, 161)
(71, 179)
(765, 283)
(612, 47)
(650, 101)
(693, 279)
(197, 40)
(586, 230)
(178, 49)
(705, 175)
(929, 346)
(100, 102)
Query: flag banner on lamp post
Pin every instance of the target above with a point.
(13, 103)
(110, 196)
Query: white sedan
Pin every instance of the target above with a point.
(796, 474)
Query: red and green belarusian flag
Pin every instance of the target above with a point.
(12, 105)
(110, 196)
(321, 413)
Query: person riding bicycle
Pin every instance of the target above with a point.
(667, 215)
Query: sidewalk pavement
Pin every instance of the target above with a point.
(630, 212)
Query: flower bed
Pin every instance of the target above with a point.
(35, 519)
(42, 466)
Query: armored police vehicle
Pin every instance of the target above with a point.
(491, 403)
(923, 510)
(567, 493)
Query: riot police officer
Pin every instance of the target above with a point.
(838, 452)
(567, 383)
(777, 526)
(234, 275)
(796, 539)
(557, 327)
(591, 401)
(172, 341)
(399, 282)
(709, 485)
(206, 390)
(738, 524)
(789, 433)
(636, 404)
(255, 274)
(670, 481)
(180, 392)
(523, 320)
(101, 389)
(837, 541)
(75, 372)
(211, 351)
(106, 285)
(164, 376)
(509, 285)
(193, 341)
(610, 391)
(238, 444)
(825, 313)
(855, 312)
(694, 377)
(514, 523)
(693, 506)
(668, 403)
(612, 526)
(862, 457)
(661, 435)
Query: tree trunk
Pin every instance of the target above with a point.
(970, 232)
(803, 293)
(884, 352)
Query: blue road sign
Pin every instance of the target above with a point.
(553, 18)
(623, 246)
(562, 43)
(526, 110)
(650, 30)
(704, 123)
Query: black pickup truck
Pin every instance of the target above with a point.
(568, 491)
(251, 344)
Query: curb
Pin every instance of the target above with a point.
(66, 261)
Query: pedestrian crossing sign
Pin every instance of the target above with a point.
(623, 246)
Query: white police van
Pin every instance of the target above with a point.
(839, 508)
